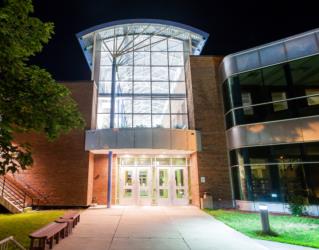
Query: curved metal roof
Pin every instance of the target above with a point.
(141, 26)
(277, 52)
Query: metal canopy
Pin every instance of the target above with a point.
(137, 28)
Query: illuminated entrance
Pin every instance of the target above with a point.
(153, 180)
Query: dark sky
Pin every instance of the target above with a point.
(232, 27)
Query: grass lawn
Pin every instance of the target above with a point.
(21, 225)
(288, 229)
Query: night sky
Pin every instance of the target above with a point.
(232, 27)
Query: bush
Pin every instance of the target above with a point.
(296, 205)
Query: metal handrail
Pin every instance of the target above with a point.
(5, 243)
(11, 191)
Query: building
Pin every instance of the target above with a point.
(165, 125)
(271, 107)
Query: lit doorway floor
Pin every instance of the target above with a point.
(153, 228)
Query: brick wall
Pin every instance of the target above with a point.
(100, 178)
(62, 169)
(208, 118)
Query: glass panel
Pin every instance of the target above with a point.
(160, 106)
(163, 177)
(143, 193)
(128, 193)
(158, 43)
(126, 59)
(104, 105)
(142, 88)
(178, 88)
(127, 161)
(123, 88)
(105, 73)
(105, 87)
(246, 100)
(175, 45)
(179, 177)
(143, 161)
(142, 121)
(143, 178)
(106, 59)
(160, 73)
(142, 73)
(159, 58)
(123, 121)
(277, 96)
(163, 193)
(142, 42)
(103, 121)
(179, 121)
(176, 58)
(178, 106)
(180, 193)
(123, 105)
(179, 161)
(161, 121)
(142, 58)
(313, 100)
(176, 74)
(142, 106)
(128, 177)
(124, 73)
(160, 88)
(162, 161)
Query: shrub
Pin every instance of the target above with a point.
(296, 205)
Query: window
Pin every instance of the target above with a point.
(313, 100)
(246, 100)
(150, 89)
(277, 96)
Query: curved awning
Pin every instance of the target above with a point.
(123, 28)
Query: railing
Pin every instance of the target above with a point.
(10, 243)
(17, 195)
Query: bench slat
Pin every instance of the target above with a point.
(48, 230)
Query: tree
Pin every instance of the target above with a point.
(30, 99)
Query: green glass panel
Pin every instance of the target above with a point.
(179, 177)
(127, 193)
(180, 193)
(128, 178)
(163, 177)
(163, 193)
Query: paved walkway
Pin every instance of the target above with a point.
(156, 228)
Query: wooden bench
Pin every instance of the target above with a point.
(47, 234)
(74, 216)
(69, 226)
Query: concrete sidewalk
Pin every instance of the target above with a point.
(156, 228)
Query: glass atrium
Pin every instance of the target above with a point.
(140, 72)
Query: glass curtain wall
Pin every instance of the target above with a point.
(276, 173)
(288, 90)
(148, 71)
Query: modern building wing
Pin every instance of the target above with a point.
(271, 103)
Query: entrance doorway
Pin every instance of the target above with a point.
(163, 181)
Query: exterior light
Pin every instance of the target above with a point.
(264, 219)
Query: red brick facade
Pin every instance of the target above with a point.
(63, 170)
(207, 116)
(70, 176)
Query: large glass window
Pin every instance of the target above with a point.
(283, 91)
(276, 173)
(150, 86)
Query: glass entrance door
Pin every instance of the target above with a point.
(153, 181)
(180, 187)
(144, 185)
(135, 186)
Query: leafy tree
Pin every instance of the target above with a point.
(30, 99)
